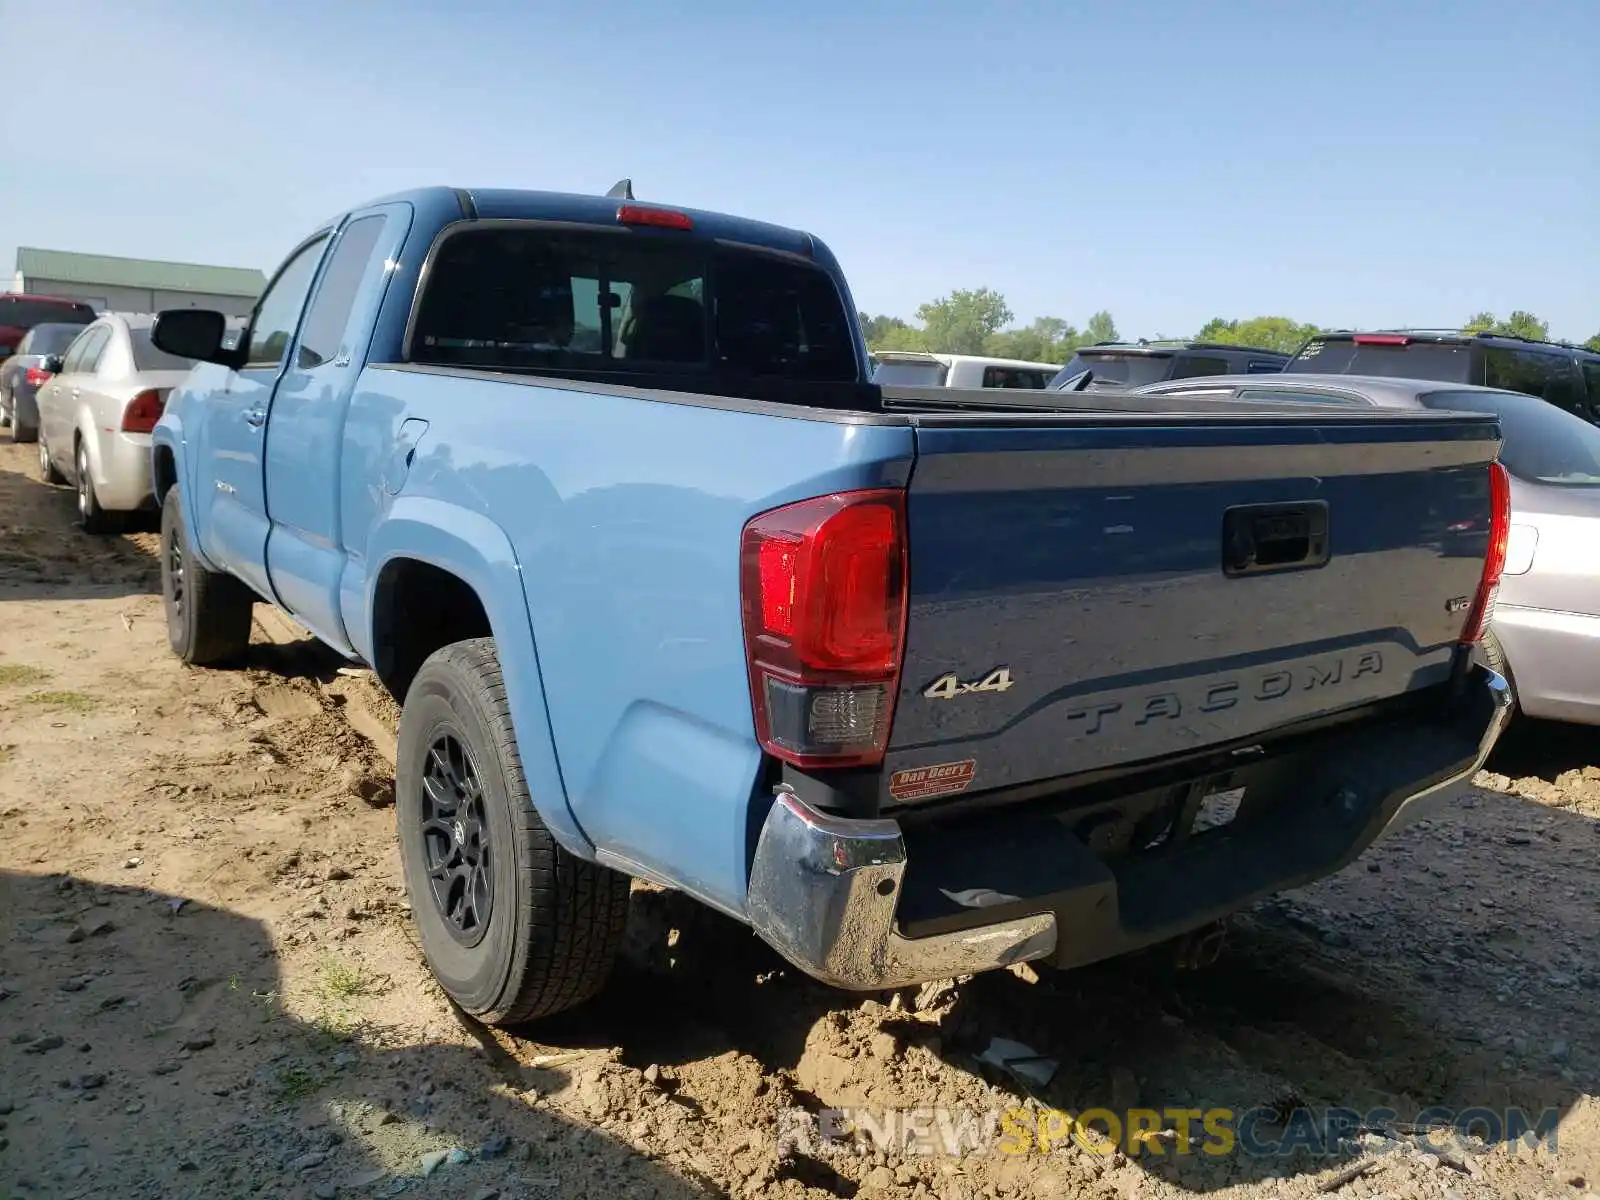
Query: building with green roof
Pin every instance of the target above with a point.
(115, 284)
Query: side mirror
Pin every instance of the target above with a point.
(52, 363)
(194, 333)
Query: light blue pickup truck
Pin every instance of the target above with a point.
(914, 682)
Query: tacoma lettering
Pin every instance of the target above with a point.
(1218, 697)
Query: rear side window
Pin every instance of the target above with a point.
(85, 355)
(1192, 366)
(74, 355)
(1591, 385)
(322, 332)
(1013, 377)
(1551, 377)
(509, 299)
(1448, 362)
(1542, 443)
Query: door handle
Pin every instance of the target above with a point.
(255, 417)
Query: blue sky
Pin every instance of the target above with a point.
(1364, 164)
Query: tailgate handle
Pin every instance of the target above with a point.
(1257, 538)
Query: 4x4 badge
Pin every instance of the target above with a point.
(949, 686)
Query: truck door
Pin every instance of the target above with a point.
(305, 428)
(230, 491)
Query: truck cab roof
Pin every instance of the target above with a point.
(510, 204)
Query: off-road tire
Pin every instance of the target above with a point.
(208, 613)
(555, 922)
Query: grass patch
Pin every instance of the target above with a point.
(77, 702)
(297, 1083)
(21, 675)
(344, 981)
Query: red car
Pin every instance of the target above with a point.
(19, 313)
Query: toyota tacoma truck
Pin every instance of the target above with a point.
(915, 683)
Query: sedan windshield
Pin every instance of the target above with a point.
(1543, 443)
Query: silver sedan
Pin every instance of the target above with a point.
(1545, 633)
(96, 414)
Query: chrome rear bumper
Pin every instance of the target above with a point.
(823, 892)
(824, 889)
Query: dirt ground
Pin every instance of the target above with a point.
(209, 985)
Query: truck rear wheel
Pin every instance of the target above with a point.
(208, 614)
(513, 926)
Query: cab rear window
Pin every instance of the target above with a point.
(1447, 362)
(511, 298)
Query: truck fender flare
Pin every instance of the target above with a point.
(477, 551)
(167, 436)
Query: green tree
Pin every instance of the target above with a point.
(875, 329)
(1046, 339)
(901, 336)
(1268, 333)
(963, 321)
(1518, 324)
(1593, 343)
(890, 333)
(1101, 328)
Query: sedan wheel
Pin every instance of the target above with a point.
(94, 518)
(47, 469)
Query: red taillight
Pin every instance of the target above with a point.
(142, 413)
(1381, 339)
(1494, 563)
(661, 218)
(37, 376)
(823, 584)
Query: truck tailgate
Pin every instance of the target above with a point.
(1090, 593)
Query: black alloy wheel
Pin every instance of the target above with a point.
(455, 839)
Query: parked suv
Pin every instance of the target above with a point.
(1119, 366)
(1567, 376)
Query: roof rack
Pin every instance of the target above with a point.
(1189, 344)
(1238, 346)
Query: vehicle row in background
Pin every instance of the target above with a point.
(1545, 631)
(38, 356)
(1565, 375)
(1119, 366)
(22, 355)
(909, 368)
